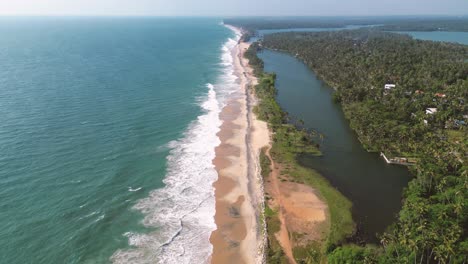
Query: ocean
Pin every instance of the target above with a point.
(107, 134)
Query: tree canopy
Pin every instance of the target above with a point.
(431, 227)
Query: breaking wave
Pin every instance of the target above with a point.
(181, 213)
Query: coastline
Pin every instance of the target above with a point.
(239, 236)
(304, 214)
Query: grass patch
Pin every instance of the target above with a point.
(341, 223)
(309, 254)
(275, 253)
(457, 136)
(265, 163)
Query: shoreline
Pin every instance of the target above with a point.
(239, 236)
(304, 214)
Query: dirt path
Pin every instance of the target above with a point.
(283, 235)
(299, 209)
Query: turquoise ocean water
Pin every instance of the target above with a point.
(107, 132)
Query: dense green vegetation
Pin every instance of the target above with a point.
(441, 24)
(359, 63)
(396, 23)
(352, 254)
(274, 252)
(291, 22)
(431, 227)
(265, 163)
(288, 142)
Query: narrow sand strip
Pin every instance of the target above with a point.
(239, 188)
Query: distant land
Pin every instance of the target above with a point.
(390, 23)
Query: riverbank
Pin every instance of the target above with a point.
(239, 237)
(305, 216)
(374, 191)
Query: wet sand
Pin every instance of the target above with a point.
(239, 237)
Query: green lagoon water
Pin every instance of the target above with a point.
(455, 37)
(107, 132)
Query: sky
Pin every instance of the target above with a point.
(234, 7)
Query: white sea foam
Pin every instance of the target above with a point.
(89, 215)
(99, 218)
(182, 212)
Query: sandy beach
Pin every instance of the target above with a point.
(239, 237)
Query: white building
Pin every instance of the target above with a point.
(389, 86)
(431, 111)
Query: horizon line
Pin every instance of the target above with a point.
(235, 16)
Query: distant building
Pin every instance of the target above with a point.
(431, 111)
(389, 86)
(425, 121)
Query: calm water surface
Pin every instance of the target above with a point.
(456, 37)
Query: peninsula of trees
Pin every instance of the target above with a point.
(390, 23)
(406, 98)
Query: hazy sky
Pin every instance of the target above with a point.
(233, 7)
